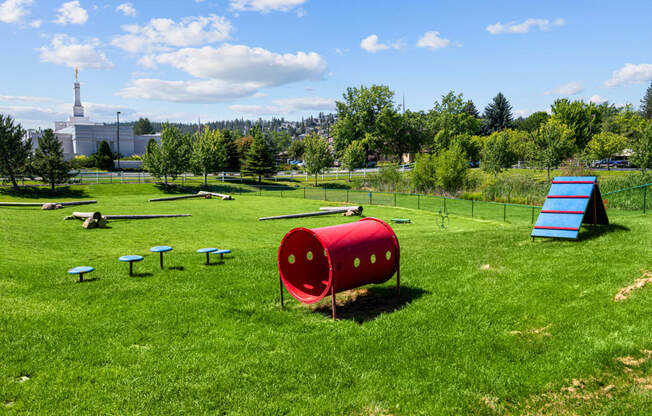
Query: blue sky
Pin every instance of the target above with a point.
(221, 59)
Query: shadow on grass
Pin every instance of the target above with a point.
(142, 275)
(35, 192)
(176, 268)
(366, 304)
(88, 280)
(590, 232)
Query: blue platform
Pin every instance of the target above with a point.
(571, 202)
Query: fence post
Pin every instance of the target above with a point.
(418, 201)
(445, 211)
(471, 208)
(644, 198)
(504, 212)
(532, 219)
(370, 200)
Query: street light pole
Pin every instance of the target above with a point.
(118, 137)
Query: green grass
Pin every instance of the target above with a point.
(198, 339)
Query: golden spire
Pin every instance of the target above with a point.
(76, 73)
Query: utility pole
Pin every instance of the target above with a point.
(118, 138)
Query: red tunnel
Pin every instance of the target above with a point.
(314, 263)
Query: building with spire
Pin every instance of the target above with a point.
(80, 136)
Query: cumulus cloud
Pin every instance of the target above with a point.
(240, 63)
(571, 88)
(12, 11)
(71, 12)
(630, 74)
(524, 27)
(36, 23)
(433, 41)
(23, 98)
(596, 99)
(372, 45)
(265, 6)
(159, 34)
(286, 106)
(66, 50)
(194, 91)
(127, 9)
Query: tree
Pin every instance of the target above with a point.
(449, 119)
(533, 122)
(469, 108)
(104, 157)
(296, 149)
(242, 145)
(552, 144)
(233, 157)
(605, 144)
(497, 115)
(496, 154)
(152, 158)
(259, 160)
(451, 168)
(279, 140)
(642, 147)
(143, 126)
(582, 120)
(48, 162)
(646, 103)
(209, 155)
(424, 175)
(14, 152)
(174, 153)
(354, 157)
(318, 155)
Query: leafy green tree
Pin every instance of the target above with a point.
(14, 151)
(354, 157)
(104, 157)
(279, 140)
(646, 103)
(259, 160)
(48, 162)
(449, 119)
(152, 159)
(498, 115)
(552, 144)
(582, 120)
(533, 122)
(424, 174)
(359, 113)
(625, 122)
(605, 144)
(642, 147)
(174, 152)
(143, 126)
(209, 155)
(296, 149)
(451, 168)
(317, 156)
(496, 154)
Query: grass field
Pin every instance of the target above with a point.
(489, 322)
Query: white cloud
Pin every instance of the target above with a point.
(265, 6)
(127, 9)
(195, 91)
(71, 12)
(148, 61)
(630, 74)
(65, 50)
(36, 23)
(596, 99)
(523, 112)
(12, 11)
(159, 34)
(286, 106)
(371, 44)
(524, 27)
(571, 88)
(23, 98)
(240, 63)
(433, 41)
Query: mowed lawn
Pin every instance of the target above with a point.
(489, 321)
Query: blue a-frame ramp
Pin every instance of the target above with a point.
(571, 201)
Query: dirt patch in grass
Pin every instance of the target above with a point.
(624, 293)
(534, 331)
(9, 403)
(23, 379)
(485, 267)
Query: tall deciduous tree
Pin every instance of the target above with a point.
(498, 115)
(209, 154)
(642, 147)
(143, 126)
(258, 160)
(604, 145)
(48, 162)
(552, 144)
(646, 103)
(14, 152)
(354, 157)
(452, 166)
(104, 157)
(424, 174)
(449, 119)
(496, 154)
(152, 159)
(318, 155)
(582, 120)
(174, 153)
(296, 149)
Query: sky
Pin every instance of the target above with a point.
(186, 60)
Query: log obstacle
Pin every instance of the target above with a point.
(223, 196)
(200, 194)
(86, 215)
(314, 263)
(324, 211)
(43, 204)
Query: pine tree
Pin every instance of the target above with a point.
(48, 162)
(646, 103)
(232, 155)
(259, 160)
(469, 108)
(104, 157)
(498, 115)
(143, 126)
(14, 152)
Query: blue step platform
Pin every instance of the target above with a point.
(571, 202)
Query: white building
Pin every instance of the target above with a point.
(80, 136)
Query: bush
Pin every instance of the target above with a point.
(82, 162)
(451, 167)
(424, 176)
(388, 179)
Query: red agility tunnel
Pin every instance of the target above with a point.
(314, 263)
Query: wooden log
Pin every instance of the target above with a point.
(70, 203)
(144, 217)
(173, 198)
(339, 209)
(40, 204)
(83, 215)
(223, 196)
(304, 214)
